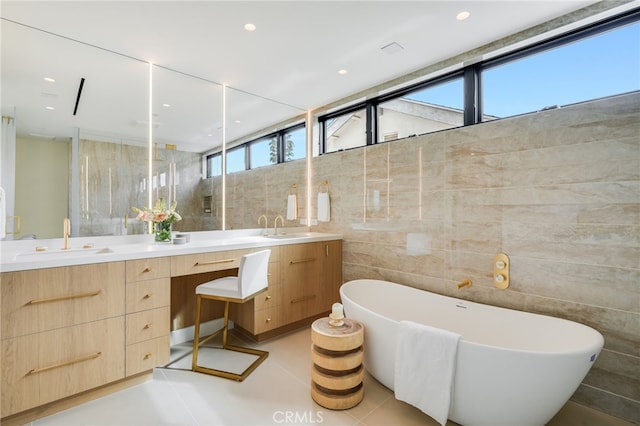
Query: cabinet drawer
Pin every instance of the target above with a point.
(47, 366)
(147, 325)
(206, 262)
(270, 298)
(146, 355)
(150, 294)
(148, 269)
(268, 319)
(46, 299)
(300, 305)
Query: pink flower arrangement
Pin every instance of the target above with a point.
(159, 212)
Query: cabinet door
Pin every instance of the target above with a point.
(44, 367)
(46, 299)
(332, 271)
(302, 270)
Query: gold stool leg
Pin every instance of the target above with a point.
(225, 328)
(262, 355)
(196, 334)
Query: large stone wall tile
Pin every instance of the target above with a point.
(621, 329)
(598, 285)
(585, 213)
(475, 237)
(428, 283)
(615, 372)
(624, 408)
(393, 258)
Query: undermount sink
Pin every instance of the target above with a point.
(46, 253)
(286, 236)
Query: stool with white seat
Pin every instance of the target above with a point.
(251, 280)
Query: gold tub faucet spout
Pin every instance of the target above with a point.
(464, 283)
(66, 231)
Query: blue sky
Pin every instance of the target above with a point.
(602, 65)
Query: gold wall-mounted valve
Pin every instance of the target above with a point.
(501, 271)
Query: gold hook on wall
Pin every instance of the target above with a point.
(294, 189)
(324, 186)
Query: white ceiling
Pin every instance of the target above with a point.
(287, 66)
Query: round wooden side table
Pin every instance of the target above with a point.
(337, 371)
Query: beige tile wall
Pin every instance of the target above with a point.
(558, 191)
(264, 191)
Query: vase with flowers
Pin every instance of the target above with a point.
(161, 217)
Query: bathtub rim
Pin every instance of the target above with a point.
(597, 344)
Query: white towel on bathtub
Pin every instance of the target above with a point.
(425, 368)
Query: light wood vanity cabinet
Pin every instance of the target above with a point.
(303, 280)
(71, 329)
(62, 332)
(312, 275)
(147, 313)
(303, 283)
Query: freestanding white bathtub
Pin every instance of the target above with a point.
(513, 368)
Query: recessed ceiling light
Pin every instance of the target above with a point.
(50, 108)
(166, 105)
(41, 135)
(49, 79)
(237, 121)
(343, 72)
(249, 27)
(462, 15)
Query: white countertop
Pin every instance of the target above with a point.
(22, 255)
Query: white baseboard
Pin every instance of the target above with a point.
(206, 328)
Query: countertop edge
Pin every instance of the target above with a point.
(151, 250)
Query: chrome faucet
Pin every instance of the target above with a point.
(275, 224)
(66, 231)
(266, 222)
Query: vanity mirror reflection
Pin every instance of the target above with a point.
(74, 131)
(84, 150)
(187, 120)
(264, 189)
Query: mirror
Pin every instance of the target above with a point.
(110, 169)
(92, 166)
(263, 190)
(78, 132)
(187, 117)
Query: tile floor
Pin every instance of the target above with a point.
(277, 393)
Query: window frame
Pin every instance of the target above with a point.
(281, 149)
(472, 79)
